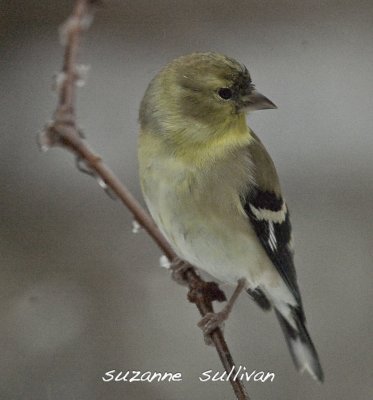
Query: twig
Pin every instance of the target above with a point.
(64, 132)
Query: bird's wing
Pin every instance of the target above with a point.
(269, 217)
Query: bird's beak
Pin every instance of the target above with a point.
(256, 101)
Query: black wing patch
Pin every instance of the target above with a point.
(269, 217)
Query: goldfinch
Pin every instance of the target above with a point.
(213, 190)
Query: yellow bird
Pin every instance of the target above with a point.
(213, 190)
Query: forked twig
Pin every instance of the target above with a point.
(63, 131)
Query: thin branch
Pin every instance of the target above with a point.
(64, 132)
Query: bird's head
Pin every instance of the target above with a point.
(207, 89)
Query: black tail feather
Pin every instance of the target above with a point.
(260, 298)
(301, 348)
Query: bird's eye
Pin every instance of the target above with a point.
(225, 93)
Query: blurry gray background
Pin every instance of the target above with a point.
(81, 294)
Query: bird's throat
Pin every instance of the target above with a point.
(218, 142)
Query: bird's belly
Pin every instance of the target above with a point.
(225, 247)
(223, 253)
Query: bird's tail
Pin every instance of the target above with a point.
(300, 344)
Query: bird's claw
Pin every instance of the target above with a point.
(178, 268)
(209, 323)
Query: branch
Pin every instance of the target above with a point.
(63, 131)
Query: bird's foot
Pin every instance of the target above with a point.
(210, 322)
(178, 269)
